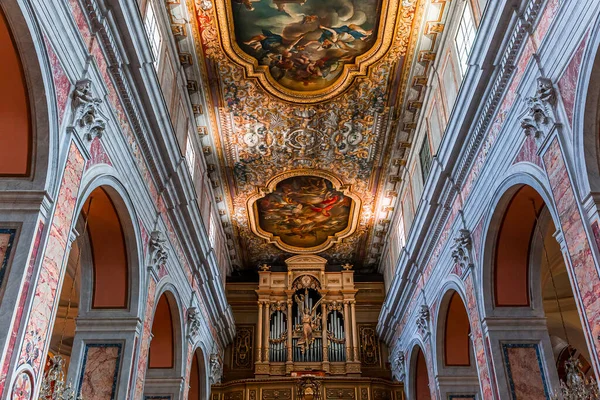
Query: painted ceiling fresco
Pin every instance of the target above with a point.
(303, 213)
(305, 44)
(300, 158)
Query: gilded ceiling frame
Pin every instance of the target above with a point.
(270, 238)
(385, 37)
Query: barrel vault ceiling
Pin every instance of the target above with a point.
(312, 104)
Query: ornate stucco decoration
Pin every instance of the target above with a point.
(398, 366)
(158, 250)
(423, 320)
(540, 116)
(256, 135)
(383, 33)
(307, 220)
(194, 320)
(216, 369)
(86, 111)
(309, 388)
(461, 251)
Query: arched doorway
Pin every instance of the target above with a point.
(420, 380)
(198, 377)
(533, 297)
(95, 292)
(164, 375)
(457, 372)
(15, 130)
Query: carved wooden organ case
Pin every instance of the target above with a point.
(307, 320)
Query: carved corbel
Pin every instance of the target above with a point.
(158, 250)
(461, 251)
(216, 369)
(398, 366)
(423, 320)
(194, 320)
(86, 114)
(540, 116)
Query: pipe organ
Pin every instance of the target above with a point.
(306, 319)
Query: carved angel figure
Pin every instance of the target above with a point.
(310, 321)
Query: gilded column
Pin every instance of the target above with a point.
(267, 322)
(347, 331)
(289, 330)
(324, 330)
(259, 334)
(354, 339)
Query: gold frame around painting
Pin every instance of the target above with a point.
(261, 192)
(383, 42)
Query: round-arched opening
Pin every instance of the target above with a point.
(530, 271)
(162, 346)
(457, 343)
(513, 247)
(96, 274)
(109, 255)
(197, 377)
(16, 129)
(421, 380)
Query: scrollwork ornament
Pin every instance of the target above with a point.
(216, 369)
(86, 110)
(158, 250)
(461, 251)
(540, 116)
(423, 320)
(194, 321)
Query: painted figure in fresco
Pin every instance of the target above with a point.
(305, 43)
(304, 209)
(342, 37)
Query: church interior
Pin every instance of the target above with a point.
(300, 199)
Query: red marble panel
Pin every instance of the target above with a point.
(97, 154)
(525, 374)
(596, 232)
(582, 266)
(528, 153)
(99, 373)
(62, 85)
(546, 19)
(38, 325)
(21, 305)
(478, 341)
(145, 343)
(567, 85)
(190, 358)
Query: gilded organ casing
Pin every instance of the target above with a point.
(307, 320)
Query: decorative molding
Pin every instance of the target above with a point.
(308, 387)
(243, 345)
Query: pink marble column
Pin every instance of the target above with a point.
(582, 267)
(483, 369)
(38, 324)
(145, 342)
